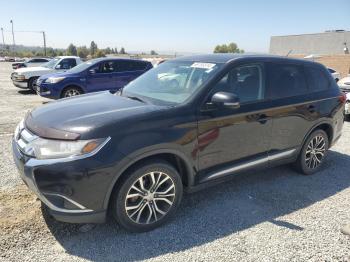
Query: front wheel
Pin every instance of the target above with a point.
(147, 197)
(32, 82)
(312, 154)
(71, 91)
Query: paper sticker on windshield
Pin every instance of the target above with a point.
(203, 65)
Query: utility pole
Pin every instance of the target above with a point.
(44, 36)
(13, 38)
(3, 39)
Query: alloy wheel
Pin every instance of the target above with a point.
(315, 152)
(71, 92)
(150, 198)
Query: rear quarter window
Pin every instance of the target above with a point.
(285, 80)
(316, 78)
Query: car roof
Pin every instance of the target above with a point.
(116, 58)
(227, 58)
(68, 56)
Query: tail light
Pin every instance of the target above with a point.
(342, 98)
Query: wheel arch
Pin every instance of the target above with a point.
(177, 159)
(325, 126)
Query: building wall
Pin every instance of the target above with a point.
(328, 43)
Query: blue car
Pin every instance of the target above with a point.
(92, 76)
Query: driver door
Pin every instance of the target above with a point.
(234, 139)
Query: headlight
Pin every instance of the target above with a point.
(54, 80)
(20, 77)
(47, 148)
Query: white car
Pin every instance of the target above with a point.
(344, 85)
(335, 74)
(26, 77)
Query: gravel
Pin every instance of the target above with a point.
(270, 215)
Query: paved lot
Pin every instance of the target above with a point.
(272, 215)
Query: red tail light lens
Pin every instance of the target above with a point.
(342, 98)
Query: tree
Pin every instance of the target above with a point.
(230, 48)
(83, 52)
(122, 51)
(116, 50)
(72, 50)
(153, 52)
(108, 50)
(93, 48)
(100, 53)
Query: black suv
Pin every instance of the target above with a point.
(185, 124)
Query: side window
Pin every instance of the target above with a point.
(136, 66)
(68, 63)
(122, 66)
(285, 80)
(107, 67)
(246, 81)
(316, 79)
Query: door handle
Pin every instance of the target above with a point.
(311, 108)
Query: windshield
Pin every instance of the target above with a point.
(51, 63)
(171, 82)
(83, 66)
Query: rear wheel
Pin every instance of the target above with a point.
(147, 197)
(71, 91)
(313, 152)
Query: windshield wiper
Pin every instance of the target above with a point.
(136, 98)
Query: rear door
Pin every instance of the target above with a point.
(128, 70)
(294, 108)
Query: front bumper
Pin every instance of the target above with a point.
(20, 84)
(45, 90)
(63, 187)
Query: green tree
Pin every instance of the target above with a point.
(72, 50)
(122, 51)
(115, 50)
(82, 51)
(100, 53)
(93, 48)
(153, 52)
(108, 50)
(230, 48)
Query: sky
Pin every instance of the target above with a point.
(169, 26)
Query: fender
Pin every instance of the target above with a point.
(131, 159)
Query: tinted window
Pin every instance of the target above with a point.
(129, 65)
(331, 70)
(41, 60)
(247, 82)
(285, 80)
(316, 79)
(107, 67)
(68, 63)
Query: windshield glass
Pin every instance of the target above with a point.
(171, 82)
(83, 66)
(51, 63)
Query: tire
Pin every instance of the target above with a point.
(316, 145)
(71, 91)
(31, 83)
(141, 212)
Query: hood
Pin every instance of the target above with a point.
(31, 69)
(87, 116)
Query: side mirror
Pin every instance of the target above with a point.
(226, 99)
(58, 67)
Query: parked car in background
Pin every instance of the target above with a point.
(335, 74)
(131, 154)
(344, 85)
(91, 76)
(31, 62)
(26, 77)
